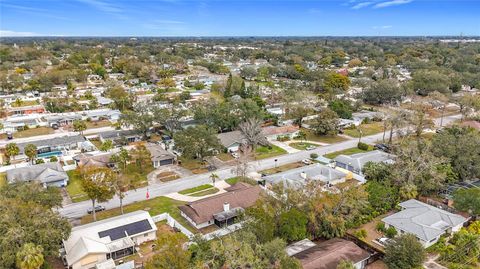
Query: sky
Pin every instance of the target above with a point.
(239, 18)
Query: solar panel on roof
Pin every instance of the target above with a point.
(130, 229)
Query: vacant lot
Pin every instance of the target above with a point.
(329, 139)
(30, 132)
(349, 151)
(282, 168)
(367, 129)
(302, 145)
(74, 187)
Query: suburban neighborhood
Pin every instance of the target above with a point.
(239, 152)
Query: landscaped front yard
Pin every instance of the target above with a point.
(367, 129)
(196, 189)
(265, 152)
(329, 139)
(349, 151)
(302, 145)
(196, 166)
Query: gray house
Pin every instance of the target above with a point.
(121, 136)
(298, 177)
(159, 155)
(355, 162)
(54, 146)
(424, 221)
(49, 174)
(231, 140)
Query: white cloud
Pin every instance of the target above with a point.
(168, 22)
(8, 33)
(382, 27)
(102, 6)
(362, 5)
(392, 3)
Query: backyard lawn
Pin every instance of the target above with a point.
(98, 124)
(265, 152)
(30, 132)
(302, 145)
(74, 187)
(329, 139)
(349, 151)
(367, 129)
(154, 206)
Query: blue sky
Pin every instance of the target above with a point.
(239, 18)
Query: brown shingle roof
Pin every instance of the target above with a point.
(328, 254)
(241, 195)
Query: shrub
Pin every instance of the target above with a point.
(39, 161)
(380, 227)
(53, 159)
(361, 234)
(391, 232)
(313, 155)
(362, 146)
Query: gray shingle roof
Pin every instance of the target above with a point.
(423, 220)
(229, 138)
(56, 141)
(44, 173)
(313, 172)
(357, 161)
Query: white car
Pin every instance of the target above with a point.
(310, 148)
(307, 161)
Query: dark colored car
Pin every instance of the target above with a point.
(9, 135)
(382, 147)
(98, 208)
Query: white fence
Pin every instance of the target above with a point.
(173, 223)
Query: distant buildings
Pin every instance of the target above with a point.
(424, 221)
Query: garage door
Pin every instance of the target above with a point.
(166, 162)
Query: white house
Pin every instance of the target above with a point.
(424, 221)
(113, 238)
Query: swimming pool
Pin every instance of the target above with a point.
(49, 154)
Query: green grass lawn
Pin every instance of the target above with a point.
(205, 192)
(329, 139)
(349, 151)
(98, 124)
(30, 132)
(232, 180)
(235, 180)
(154, 206)
(196, 189)
(367, 129)
(302, 145)
(265, 152)
(74, 187)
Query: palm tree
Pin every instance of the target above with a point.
(31, 152)
(30, 256)
(11, 150)
(214, 177)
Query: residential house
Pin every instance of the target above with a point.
(121, 136)
(231, 140)
(113, 238)
(25, 110)
(356, 162)
(222, 209)
(48, 174)
(329, 254)
(274, 132)
(299, 177)
(361, 116)
(112, 115)
(62, 119)
(57, 146)
(159, 155)
(94, 160)
(424, 221)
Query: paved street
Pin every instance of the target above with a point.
(77, 210)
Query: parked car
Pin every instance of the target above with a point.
(9, 135)
(384, 241)
(307, 161)
(98, 208)
(310, 148)
(382, 147)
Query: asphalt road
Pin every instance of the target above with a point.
(77, 210)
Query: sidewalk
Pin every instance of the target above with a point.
(284, 146)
